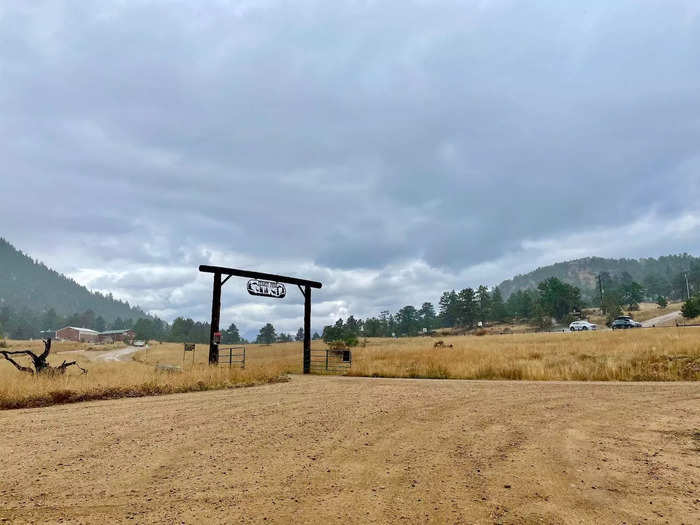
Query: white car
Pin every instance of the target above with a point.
(582, 325)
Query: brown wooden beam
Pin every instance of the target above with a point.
(215, 316)
(221, 270)
(307, 330)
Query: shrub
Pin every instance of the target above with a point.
(351, 341)
(3, 344)
(613, 312)
(691, 308)
(661, 301)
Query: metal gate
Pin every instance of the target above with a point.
(232, 356)
(333, 361)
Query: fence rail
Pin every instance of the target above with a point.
(232, 356)
(335, 361)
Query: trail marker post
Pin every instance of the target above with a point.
(263, 284)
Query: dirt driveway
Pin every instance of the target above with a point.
(339, 450)
(662, 320)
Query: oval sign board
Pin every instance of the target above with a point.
(266, 288)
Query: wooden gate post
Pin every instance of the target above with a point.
(303, 284)
(215, 315)
(307, 329)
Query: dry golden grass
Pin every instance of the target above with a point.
(286, 356)
(109, 380)
(629, 355)
(661, 354)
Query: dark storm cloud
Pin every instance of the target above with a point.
(469, 139)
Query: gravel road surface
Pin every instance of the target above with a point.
(661, 320)
(358, 450)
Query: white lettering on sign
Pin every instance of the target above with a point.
(266, 288)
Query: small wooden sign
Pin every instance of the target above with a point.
(189, 347)
(266, 288)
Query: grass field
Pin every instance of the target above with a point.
(661, 354)
(109, 380)
(667, 354)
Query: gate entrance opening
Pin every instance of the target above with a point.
(265, 288)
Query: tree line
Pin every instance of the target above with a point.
(465, 308)
(552, 298)
(26, 324)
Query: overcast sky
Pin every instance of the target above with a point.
(391, 150)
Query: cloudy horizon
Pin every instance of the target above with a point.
(390, 150)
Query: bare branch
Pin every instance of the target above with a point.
(16, 364)
(47, 349)
(19, 352)
(62, 367)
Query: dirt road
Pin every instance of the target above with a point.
(121, 354)
(666, 319)
(362, 450)
(116, 355)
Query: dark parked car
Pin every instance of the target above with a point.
(624, 322)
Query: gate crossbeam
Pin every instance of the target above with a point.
(303, 284)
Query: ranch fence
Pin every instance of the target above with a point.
(232, 356)
(333, 361)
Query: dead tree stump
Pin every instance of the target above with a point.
(41, 364)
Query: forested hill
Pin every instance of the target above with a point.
(31, 285)
(664, 272)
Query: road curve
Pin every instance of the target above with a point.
(662, 319)
(121, 354)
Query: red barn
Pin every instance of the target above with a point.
(72, 333)
(112, 336)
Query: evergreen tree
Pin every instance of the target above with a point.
(467, 308)
(407, 321)
(426, 316)
(352, 327)
(691, 308)
(231, 336)
(284, 337)
(483, 299)
(300, 335)
(267, 335)
(557, 299)
(100, 324)
(449, 309)
(498, 308)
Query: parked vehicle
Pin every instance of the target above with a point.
(582, 325)
(624, 323)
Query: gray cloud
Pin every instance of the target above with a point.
(468, 140)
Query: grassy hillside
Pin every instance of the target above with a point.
(26, 284)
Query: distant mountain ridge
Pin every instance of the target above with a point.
(29, 284)
(583, 272)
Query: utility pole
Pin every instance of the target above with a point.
(687, 286)
(600, 287)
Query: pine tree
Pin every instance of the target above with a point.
(498, 308)
(267, 335)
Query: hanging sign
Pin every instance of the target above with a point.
(266, 288)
